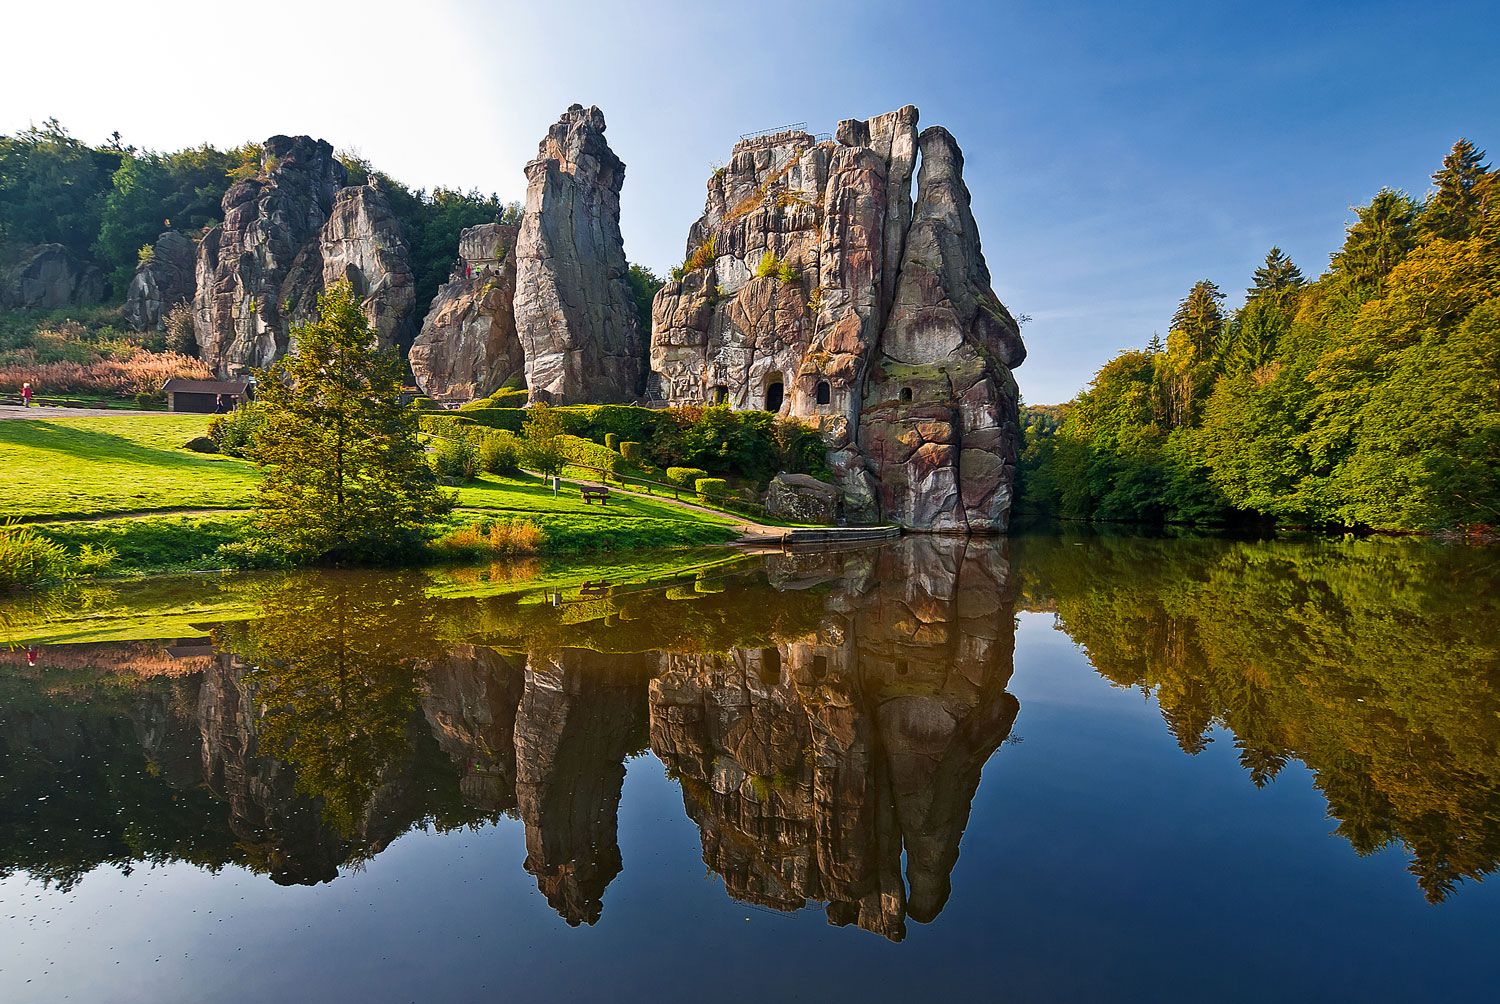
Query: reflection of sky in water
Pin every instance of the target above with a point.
(1098, 862)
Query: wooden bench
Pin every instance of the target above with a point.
(592, 493)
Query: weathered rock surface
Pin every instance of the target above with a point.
(574, 311)
(880, 326)
(803, 499)
(48, 276)
(288, 233)
(364, 243)
(468, 346)
(813, 767)
(161, 283)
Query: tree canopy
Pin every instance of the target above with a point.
(1369, 397)
(346, 477)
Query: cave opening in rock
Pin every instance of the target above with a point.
(775, 393)
(770, 666)
(824, 392)
(721, 394)
(819, 666)
(905, 393)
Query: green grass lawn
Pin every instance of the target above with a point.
(102, 465)
(88, 469)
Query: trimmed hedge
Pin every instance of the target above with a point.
(630, 450)
(746, 444)
(711, 486)
(505, 397)
(611, 440)
(685, 476)
(577, 450)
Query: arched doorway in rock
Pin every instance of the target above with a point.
(721, 394)
(775, 392)
(824, 392)
(906, 394)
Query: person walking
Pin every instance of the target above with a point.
(26, 394)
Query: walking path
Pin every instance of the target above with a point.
(51, 411)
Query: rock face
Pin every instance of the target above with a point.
(48, 276)
(161, 283)
(825, 294)
(574, 310)
(468, 346)
(288, 233)
(803, 499)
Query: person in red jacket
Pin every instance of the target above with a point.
(26, 394)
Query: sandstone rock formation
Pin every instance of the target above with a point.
(824, 293)
(161, 283)
(574, 311)
(468, 346)
(48, 276)
(288, 233)
(813, 767)
(799, 498)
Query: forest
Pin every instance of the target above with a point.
(1366, 398)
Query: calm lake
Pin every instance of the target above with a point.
(1048, 768)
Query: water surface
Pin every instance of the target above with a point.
(1044, 768)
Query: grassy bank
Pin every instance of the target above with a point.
(81, 474)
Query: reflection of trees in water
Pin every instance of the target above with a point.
(1376, 663)
(827, 720)
(335, 662)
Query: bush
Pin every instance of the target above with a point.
(28, 560)
(500, 452)
(706, 487)
(612, 440)
(585, 453)
(767, 265)
(685, 476)
(179, 331)
(234, 432)
(455, 457)
(505, 397)
(630, 450)
(489, 539)
(136, 371)
(252, 553)
(94, 560)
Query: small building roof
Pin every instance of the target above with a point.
(180, 385)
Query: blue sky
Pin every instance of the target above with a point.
(1116, 152)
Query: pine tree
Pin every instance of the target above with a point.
(1383, 234)
(346, 478)
(1452, 210)
(1277, 280)
(1200, 317)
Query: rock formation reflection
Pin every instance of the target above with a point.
(826, 717)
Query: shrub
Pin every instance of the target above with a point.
(179, 331)
(787, 274)
(489, 539)
(251, 553)
(702, 257)
(706, 487)
(767, 266)
(137, 371)
(94, 559)
(500, 452)
(612, 440)
(685, 476)
(27, 559)
(234, 432)
(455, 457)
(630, 450)
(585, 453)
(542, 433)
(505, 397)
